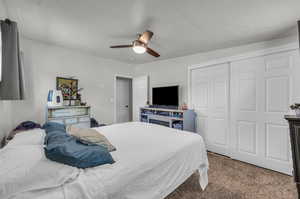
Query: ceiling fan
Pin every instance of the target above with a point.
(140, 45)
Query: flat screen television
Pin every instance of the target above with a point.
(165, 96)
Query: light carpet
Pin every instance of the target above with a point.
(231, 179)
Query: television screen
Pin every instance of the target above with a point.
(167, 96)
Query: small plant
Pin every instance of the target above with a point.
(295, 106)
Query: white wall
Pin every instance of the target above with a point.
(174, 71)
(43, 63)
(3, 13)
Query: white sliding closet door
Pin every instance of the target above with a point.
(260, 96)
(246, 121)
(210, 99)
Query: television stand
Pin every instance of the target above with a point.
(173, 118)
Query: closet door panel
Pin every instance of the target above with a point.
(218, 119)
(247, 137)
(246, 123)
(277, 94)
(277, 142)
(278, 76)
(247, 92)
(209, 98)
(217, 132)
(199, 98)
(260, 97)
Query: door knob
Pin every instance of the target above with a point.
(126, 106)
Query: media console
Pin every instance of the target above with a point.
(173, 118)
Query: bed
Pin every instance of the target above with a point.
(151, 162)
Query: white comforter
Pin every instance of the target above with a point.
(151, 161)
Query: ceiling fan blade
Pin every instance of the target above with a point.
(146, 36)
(122, 46)
(152, 52)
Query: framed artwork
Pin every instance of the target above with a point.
(68, 87)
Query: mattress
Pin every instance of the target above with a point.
(151, 162)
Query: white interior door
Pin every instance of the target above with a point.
(140, 86)
(210, 99)
(123, 102)
(260, 97)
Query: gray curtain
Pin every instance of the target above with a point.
(12, 82)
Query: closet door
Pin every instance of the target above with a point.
(209, 98)
(260, 97)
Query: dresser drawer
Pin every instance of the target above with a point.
(84, 119)
(57, 121)
(69, 121)
(69, 112)
(82, 125)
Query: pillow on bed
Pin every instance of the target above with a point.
(29, 137)
(91, 135)
(66, 149)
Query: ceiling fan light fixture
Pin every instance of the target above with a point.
(138, 47)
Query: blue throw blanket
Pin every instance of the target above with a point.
(64, 148)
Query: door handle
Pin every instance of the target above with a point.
(126, 106)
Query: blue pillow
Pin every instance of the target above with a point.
(51, 126)
(55, 131)
(64, 148)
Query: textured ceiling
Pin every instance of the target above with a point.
(180, 27)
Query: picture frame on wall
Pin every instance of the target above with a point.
(68, 86)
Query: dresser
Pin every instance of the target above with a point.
(78, 116)
(294, 123)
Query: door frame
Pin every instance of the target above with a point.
(116, 76)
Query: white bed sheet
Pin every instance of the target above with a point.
(151, 162)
